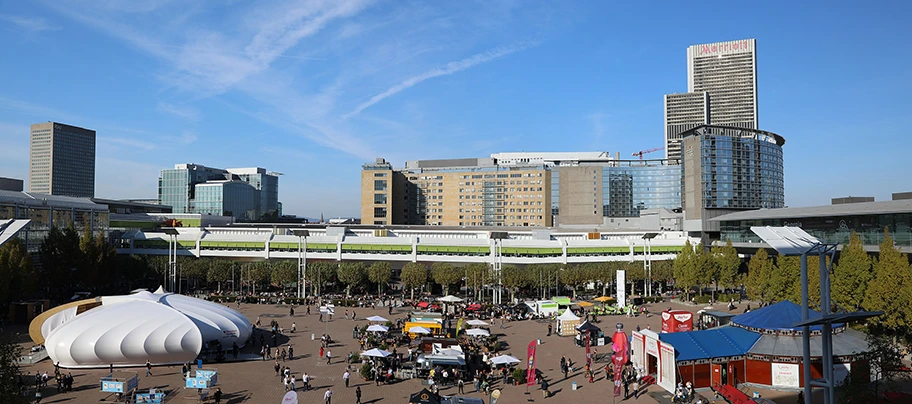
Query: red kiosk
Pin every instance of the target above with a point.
(677, 321)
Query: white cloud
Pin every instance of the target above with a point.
(183, 111)
(128, 142)
(33, 24)
(450, 68)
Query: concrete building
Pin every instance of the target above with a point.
(10, 184)
(62, 160)
(243, 193)
(456, 192)
(902, 195)
(851, 199)
(729, 169)
(721, 90)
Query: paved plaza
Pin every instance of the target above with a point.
(254, 381)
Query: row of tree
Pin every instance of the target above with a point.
(697, 268)
(859, 281)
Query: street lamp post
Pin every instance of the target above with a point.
(647, 262)
(498, 237)
(302, 261)
(172, 234)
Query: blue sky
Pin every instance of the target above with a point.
(314, 89)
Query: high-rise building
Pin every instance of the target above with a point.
(721, 90)
(244, 193)
(62, 160)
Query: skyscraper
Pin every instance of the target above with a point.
(722, 82)
(62, 160)
(245, 193)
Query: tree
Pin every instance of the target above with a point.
(319, 273)
(284, 272)
(515, 278)
(727, 263)
(352, 274)
(759, 270)
(10, 353)
(876, 371)
(477, 274)
(218, 270)
(789, 272)
(851, 274)
(60, 258)
(414, 275)
(445, 275)
(662, 272)
(685, 268)
(380, 273)
(891, 289)
(574, 277)
(17, 276)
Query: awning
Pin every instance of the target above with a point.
(562, 300)
(848, 342)
(716, 343)
(781, 316)
(423, 397)
(587, 327)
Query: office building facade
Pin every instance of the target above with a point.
(728, 169)
(243, 193)
(62, 160)
(10, 184)
(721, 75)
(457, 192)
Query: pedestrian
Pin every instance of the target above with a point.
(305, 380)
(285, 382)
(292, 383)
(284, 354)
(358, 395)
(544, 387)
(294, 327)
(148, 368)
(276, 367)
(329, 356)
(218, 394)
(321, 351)
(476, 382)
(345, 377)
(327, 396)
(461, 385)
(290, 353)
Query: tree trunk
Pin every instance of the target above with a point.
(413, 293)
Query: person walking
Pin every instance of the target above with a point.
(345, 377)
(277, 368)
(292, 383)
(461, 385)
(305, 380)
(358, 395)
(329, 356)
(218, 395)
(544, 387)
(327, 396)
(148, 368)
(549, 329)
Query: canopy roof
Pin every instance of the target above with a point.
(568, 315)
(419, 330)
(476, 332)
(503, 360)
(476, 322)
(587, 326)
(777, 317)
(716, 343)
(377, 328)
(450, 299)
(377, 319)
(423, 397)
(848, 342)
(562, 300)
(376, 353)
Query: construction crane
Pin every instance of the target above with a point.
(642, 152)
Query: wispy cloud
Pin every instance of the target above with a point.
(28, 108)
(450, 68)
(183, 111)
(33, 24)
(128, 142)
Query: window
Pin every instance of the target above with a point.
(380, 199)
(379, 174)
(379, 185)
(379, 212)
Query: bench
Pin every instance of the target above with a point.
(731, 394)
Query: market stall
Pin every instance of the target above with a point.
(596, 336)
(567, 323)
(677, 321)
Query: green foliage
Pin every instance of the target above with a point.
(573, 276)
(17, 275)
(662, 271)
(515, 278)
(519, 374)
(218, 270)
(790, 272)
(9, 371)
(686, 268)
(352, 274)
(759, 271)
(380, 273)
(414, 275)
(851, 274)
(477, 274)
(891, 289)
(285, 272)
(445, 275)
(883, 361)
(318, 273)
(366, 371)
(727, 263)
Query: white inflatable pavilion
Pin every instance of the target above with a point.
(128, 330)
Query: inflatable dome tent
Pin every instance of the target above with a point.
(128, 330)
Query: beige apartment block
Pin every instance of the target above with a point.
(581, 196)
(464, 192)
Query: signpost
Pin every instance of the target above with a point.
(622, 288)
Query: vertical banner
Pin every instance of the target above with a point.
(459, 325)
(530, 374)
(622, 288)
(588, 355)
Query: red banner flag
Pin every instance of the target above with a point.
(530, 374)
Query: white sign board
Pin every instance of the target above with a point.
(786, 375)
(841, 372)
(622, 288)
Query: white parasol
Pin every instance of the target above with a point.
(503, 360)
(377, 328)
(376, 353)
(476, 323)
(377, 319)
(478, 332)
(419, 330)
(450, 299)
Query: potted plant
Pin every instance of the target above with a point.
(366, 371)
(518, 375)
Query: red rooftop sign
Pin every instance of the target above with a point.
(709, 49)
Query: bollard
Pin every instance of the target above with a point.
(311, 337)
(573, 386)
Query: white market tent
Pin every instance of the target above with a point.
(419, 330)
(503, 360)
(376, 319)
(128, 330)
(450, 299)
(567, 323)
(376, 353)
(476, 323)
(478, 332)
(377, 328)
